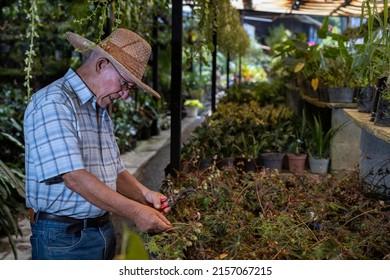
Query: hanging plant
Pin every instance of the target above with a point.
(220, 17)
(31, 35)
(231, 35)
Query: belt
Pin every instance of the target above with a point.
(76, 225)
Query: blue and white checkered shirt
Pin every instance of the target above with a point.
(62, 133)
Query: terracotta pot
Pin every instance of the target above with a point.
(296, 163)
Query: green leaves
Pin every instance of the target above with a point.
(319, 145)
(132, 247)
(11, 192)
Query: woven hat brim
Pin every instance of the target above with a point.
(86, 46)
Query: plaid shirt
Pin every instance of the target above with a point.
(64, 130)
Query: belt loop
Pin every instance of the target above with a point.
(85, 223)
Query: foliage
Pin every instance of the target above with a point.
(193, 103)
(374, 52)
(267, 216)
(249, 147)
(264, 92)
(369, 54)
(297, 144)
(132, 247)
(232, 37)
(12, 105)
(220, 17)
(305, 59)
(279, 50)
(12, 196)
(358, 64)
(278, 135)
(220, 135)
(31, 34)
(126, 124)
(194, 84)
(320, 141)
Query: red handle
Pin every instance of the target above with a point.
(163, 206)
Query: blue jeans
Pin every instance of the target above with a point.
(50, 241)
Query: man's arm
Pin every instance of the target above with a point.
(130, 187)
(146, 218)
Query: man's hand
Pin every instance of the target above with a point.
(148, 219)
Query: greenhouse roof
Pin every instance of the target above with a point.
(350, 8)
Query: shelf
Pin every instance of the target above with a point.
(362, 120)
(330, 105)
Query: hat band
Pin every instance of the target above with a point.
(117, 53)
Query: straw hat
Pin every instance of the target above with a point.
(125, 49)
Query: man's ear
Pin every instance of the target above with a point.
(101, 63)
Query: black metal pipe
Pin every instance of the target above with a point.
(155, 54)
(176, 77)
(227, 69)
(214, 73)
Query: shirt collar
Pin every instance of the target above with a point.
(79, 87)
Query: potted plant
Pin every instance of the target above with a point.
(319, 146)
(369, 55)
(249, 153)
(337, 61)
(274, 155)
(382, 115)
(192, 106)
(381, 105)
(305, 59)
(296, 150)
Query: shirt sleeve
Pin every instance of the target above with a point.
(54, 141)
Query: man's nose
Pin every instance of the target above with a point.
(124, 94)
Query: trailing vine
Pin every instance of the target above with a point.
(31, 35)
(221, 17)
(100, 11)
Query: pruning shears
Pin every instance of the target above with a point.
(172, 199)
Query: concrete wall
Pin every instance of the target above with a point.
(345, 151)
(375, 164)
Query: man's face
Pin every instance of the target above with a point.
(112, 86)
